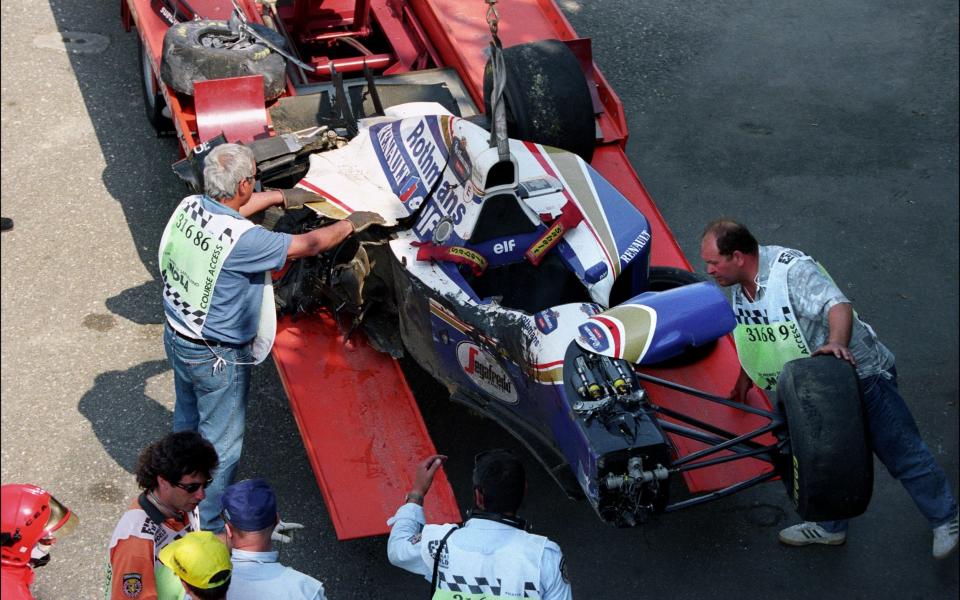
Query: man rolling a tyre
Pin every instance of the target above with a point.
(788, 290)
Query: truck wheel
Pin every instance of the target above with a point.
(829, 469)
(194, 51)
(153, 100)
(546, 96)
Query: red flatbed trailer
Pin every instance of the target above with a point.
(364, 434)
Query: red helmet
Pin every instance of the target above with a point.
(30, 515)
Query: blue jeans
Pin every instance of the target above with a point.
(896, 441)
(211, 399)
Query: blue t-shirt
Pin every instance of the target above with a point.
(235, 307)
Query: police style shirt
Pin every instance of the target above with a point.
(403, 548)
(812, 295)
(258, 575)
(235, 305)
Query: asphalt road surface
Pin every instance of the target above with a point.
(827, 126)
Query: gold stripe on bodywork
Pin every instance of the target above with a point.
(446, 130)
(327, 209)
(638, 323)
(441, 312)
(551, 375)
(568, 165)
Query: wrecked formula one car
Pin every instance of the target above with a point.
(523, 264)
(522, 282)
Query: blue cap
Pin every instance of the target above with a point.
(249, 505)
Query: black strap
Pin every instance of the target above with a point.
(343, 105)
(372, 90)
(436, 560)
(514, 521)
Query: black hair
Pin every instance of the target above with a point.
(732, 237)
(214, 593)
(174, 456)
(501, 479)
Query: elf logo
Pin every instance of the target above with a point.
(486, 373)
(504, 247)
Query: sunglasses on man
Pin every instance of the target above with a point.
(191, 488)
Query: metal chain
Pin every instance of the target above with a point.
(493, 17)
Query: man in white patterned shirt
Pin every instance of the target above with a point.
(786, 288)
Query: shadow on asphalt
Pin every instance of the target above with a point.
(136, 172)
(122, 415)
(121, 397)
(141, 304)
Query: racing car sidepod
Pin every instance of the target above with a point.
(656, 326)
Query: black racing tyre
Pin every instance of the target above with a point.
(659, 279)
(153, 101)
(546, 96)
(191, 53)
(668, 278)
(829, 469)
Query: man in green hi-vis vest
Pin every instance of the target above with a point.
(788, 307)
(218, 300)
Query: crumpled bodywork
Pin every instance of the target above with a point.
(511, 311)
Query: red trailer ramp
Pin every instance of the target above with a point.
(360, 425)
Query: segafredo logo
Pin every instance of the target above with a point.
(547, 320)
(486, 373)
(462, 166)
(594, 336)
(589, 309)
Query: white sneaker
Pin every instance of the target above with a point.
(945, 538)
(810, 533)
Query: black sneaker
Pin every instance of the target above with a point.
(6, 224)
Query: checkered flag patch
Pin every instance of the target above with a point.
(480, 585)
(198, 214)
(228, 233)
(473, 585)
(212, 223)
(752, 317)
(189, 313)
